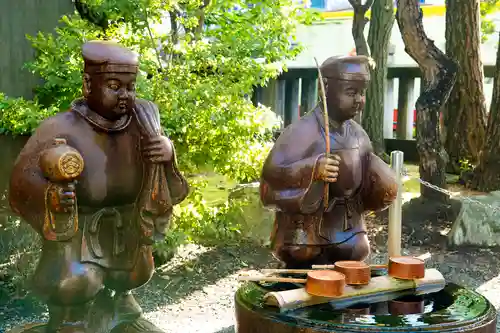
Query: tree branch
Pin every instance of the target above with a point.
(367, 5)
(439, 75)
(438, 70)
(174, 27)
(152, 39)
(358, 26)
(201, 19)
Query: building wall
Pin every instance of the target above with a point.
(19, 18)
(334, 38)
(337, 5)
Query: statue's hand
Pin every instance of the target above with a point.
(157, 149)
(62, 197)
(327, 169)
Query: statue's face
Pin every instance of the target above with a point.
(345, 98)
(110, 94)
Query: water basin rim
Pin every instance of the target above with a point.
(486, 313)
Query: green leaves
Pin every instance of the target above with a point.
(487, 7)
(201, 77)
(19, 116)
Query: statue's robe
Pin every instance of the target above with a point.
(304, 222)
(109, 237)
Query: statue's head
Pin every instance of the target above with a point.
(109, 78)
(346, 80)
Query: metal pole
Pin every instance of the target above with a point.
(395, 210)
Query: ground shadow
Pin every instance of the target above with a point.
(204, 270)
(164, 288)
(426, 222)
(229, 329)
(425, 225)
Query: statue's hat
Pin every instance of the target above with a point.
(347, 68)
(109, 57)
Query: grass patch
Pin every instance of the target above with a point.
(217, 189)
(412, 185)
(219, 186)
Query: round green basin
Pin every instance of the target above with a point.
(453, 309)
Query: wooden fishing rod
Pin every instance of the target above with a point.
(327, 127)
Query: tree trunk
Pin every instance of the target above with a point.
(174, 27)
(379, 34)
(487, 173)
(465, 112)
(403, 112)
(358, 26)
(438, 77)
(358, 33)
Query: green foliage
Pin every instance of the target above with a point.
(59, 63)
(19, 115)
(202, 222)
(487, 7)
(466, 165)
(200, 64)
(198, 221)
(201, 82)
(246, 165)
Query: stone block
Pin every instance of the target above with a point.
(478, 221)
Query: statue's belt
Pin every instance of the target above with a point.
(349, 203)
(88, 211)
(94, 217)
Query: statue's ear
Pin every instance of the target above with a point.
(86, 85)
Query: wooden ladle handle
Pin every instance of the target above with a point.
(270, 279)
(333, 266)
(421, 257)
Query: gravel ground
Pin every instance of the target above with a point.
(194, 292)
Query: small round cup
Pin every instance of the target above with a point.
(325, 283)
(357, 273)
(406, 268)
(359, 309)
(407, 305)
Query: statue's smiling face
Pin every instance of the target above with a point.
(111, 94)
(346, 98)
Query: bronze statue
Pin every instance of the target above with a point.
(98, 183)
(307, 229)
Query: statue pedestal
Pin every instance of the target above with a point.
(454, 309)
(40, 328)
(139, 325)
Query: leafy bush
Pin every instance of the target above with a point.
(487, 7)
(201, 72)
(205, 76)
(19, 115)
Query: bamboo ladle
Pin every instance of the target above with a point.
(315, 268)
(422, 257)
(401, 267)
(322, 267)
(324, 283)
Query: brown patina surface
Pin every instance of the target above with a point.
(307, 229)
(98, 223)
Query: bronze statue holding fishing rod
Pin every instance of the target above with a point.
(98, 183)
(312, 228)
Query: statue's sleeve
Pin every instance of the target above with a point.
(287, 180)
(176, 182)
(27, 188)
(379, 184)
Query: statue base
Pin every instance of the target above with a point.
(453, 309)
(141, 325)
(41, 328)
